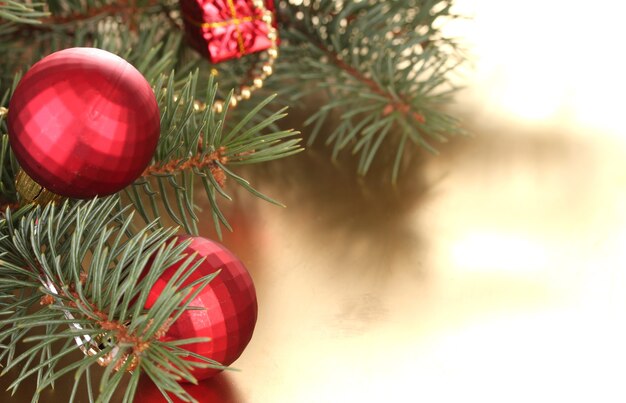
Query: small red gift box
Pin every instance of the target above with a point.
(226, 29)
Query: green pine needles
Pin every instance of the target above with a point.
(199, 145)
(381, 67)
(75, 276)
(92, 272)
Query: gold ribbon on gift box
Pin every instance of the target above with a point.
(236, 21)
(233, 11)
(245, 91)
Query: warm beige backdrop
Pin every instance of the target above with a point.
(493, 273)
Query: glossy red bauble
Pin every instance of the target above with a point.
(219, 389)
(83, 122)
(229, 302)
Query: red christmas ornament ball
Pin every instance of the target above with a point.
(83, 122)
(219, 389)
(229, 302)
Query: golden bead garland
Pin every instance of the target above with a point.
(267, 68)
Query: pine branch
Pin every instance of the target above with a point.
(383, 67)
(92, 274)
(77, 23)
(71, 12)
(55, 16)
(21, 13)
(8, 163)
(197, 145)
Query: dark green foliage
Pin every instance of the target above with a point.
(14, 12)
(182, 130)
(87, 258)
(381, 66)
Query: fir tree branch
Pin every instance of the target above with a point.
(382, 67)
(54, 15)
(395, 103)
(76, 11)
(93, 283)
(195, 163)
(21, 13)
(197, 145)
(79, 12)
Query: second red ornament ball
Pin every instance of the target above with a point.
(229, 302)
(83, 122)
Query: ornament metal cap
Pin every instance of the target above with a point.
(32, 192)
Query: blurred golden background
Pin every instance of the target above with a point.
(495, 272)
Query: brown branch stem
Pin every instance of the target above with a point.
(121, 333)
(209, 161)
(172, 167)
(126, 8)
(394, 104)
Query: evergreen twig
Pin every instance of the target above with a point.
(104, 295)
